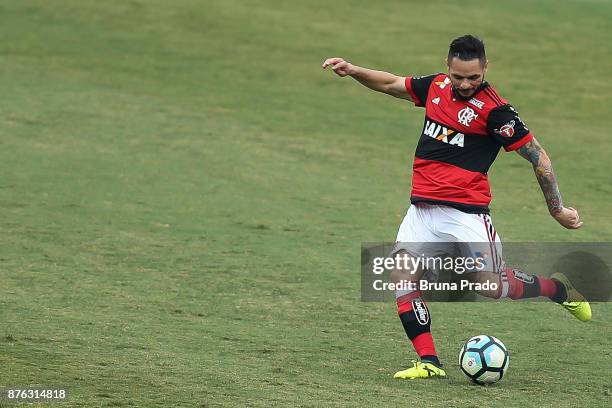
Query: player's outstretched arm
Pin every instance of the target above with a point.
(380, 81)
(542, 166)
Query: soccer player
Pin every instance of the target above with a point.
(466, 124)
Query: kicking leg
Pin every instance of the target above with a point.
(515, 284)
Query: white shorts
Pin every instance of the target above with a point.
(437, 230)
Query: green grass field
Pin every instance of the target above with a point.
(184, 194)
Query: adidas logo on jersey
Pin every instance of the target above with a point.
(443, 134)
(436, 100)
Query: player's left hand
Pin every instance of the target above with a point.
(569, 218)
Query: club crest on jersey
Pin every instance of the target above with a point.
(466, 116)
(443, 134)
(507, 130)
(443, 84)
(436, 100)
(476, 103)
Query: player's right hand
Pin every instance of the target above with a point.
(569, 218)
(340, 66)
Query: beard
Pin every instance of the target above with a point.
(464, 95)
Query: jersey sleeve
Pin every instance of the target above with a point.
(418, 87)
(505, 125)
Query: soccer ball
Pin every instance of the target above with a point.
(484, 359)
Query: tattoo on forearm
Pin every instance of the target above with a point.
(542, 167)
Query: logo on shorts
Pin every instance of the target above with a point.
(420, 311)
(483, 255)
(507, 130)
(466, 116)
(522, 276)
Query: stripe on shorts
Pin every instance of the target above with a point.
(504, 284)
(491, 235)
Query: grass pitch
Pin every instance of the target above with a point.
(185, 192)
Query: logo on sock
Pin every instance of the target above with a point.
(420, 311)
(522, 276)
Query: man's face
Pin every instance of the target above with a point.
(466, 76)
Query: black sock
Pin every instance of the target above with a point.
(561, 294)
(432, 359)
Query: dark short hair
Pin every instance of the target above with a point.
(467, 48)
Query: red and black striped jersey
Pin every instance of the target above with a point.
(459, 142)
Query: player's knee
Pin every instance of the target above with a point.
(405, 272)
(398, 275)
(482, 277)
(405, 268)
(485, 283)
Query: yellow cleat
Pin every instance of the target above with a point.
(575, 303)
(420, 370)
